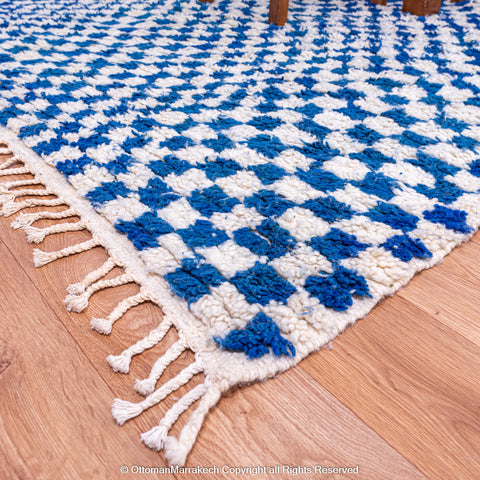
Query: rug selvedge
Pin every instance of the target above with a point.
(275, 184)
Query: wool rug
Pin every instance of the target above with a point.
(264, 186)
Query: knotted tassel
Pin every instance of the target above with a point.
(155, 438)
(14, 171)
(123, 411)
(12, 207)
(6, 198)
(176, 451)
(121, 363)
(26, 219)
(92, 277)
(147, 386)
(7, 163)
(37, 235)
(104, 325)
(6, 187)
(41, 258)
(5, 151)
(77, 303)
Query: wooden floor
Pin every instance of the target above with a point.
(398, 395)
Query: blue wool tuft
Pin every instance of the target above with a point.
(70, 167)
(211, 200)
(452, 219)
(281, 242)
(444, 191)
(145, 230)
(337, 289)
(202, 234)
(268, 145)
(169, 164)
(400, 117)
(321, 179)
(106, 192)
(377, 184)
(261, 284)
(119, 164)
(157, 194)
(336, 245)
(219, 168)
(194, 279)
(372, 158)
(475, 168)
(405, 247)
(268, 173)
(436, 167)
(393, 216)
(257, 339)
(329, 209)
(255, 243)
(364, 134)
(268, 203)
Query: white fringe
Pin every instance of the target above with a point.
(147, 386)
(78, 288)
(176, 451)
(6, 187)
(14, 171)
(101, 325)
(155, 438)
(11, 207)
(119, 249)
(31, 192)
(26, 219)
(121, 363)
(104, 325)
(79, 302)
(123, 411)
(8, 163)
(37, 235)
(41, 258)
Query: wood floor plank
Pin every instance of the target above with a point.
(450, 292)
(414, 381)
(55, 420)
(293, 421)
(52, 280)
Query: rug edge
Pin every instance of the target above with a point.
(119, 254)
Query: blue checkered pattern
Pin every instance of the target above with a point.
(249, 158)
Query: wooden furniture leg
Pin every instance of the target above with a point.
(379, 2)
(278, 12)
(421, 7)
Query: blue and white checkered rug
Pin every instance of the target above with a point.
(266, 186)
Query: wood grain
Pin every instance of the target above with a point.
(450, 291)
(278, 12)
(413, 380)
(55, 420)
(292, 420)
(421, 7)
